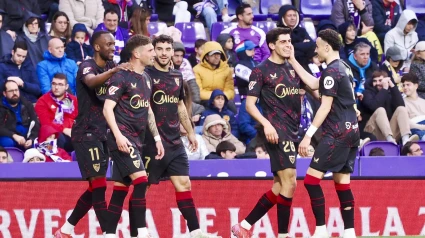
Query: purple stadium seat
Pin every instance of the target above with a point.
(418, 6)
(422, 145)
(73, 156)
(390, 149)
(316, 9)
(218, 27)
(154, 27)
(17, 154)
(191, 31)
(266, 26)
(265, 4)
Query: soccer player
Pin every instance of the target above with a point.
(274, 81)
(90, 129)
(127, 112)
(338, 147)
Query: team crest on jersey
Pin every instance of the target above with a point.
(292, 72)
(96, 167)
(155, 81)
(292, 158)
(251, 85)
(86, 70)
(136, 163)
(149, 84)
(273, 76)
(226, 118)
(133, 85)
(177, 80)
(112, 90)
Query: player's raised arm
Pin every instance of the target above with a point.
(186, 123)
(154, 130)
(311, 81)
(269, 130)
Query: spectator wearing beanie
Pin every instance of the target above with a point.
(243, 68)
(350, 39)
(418, 67)
(33, 156)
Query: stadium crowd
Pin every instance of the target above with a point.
(44, 41)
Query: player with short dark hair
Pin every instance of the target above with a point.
(338, 147)
(128, 113)
(89, 131)
(275, 82)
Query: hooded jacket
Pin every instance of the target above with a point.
(341, 13)
(45, 132)
(209, 79)
(243, 69)
(31, 89)
(74, 48)
(361, 74)
(230, 54)
(348, 49)
(225, 113)
(17, 13)
(211, 141)
(396, 36)
(380, 11)
(51, 65)
(298, 34)
(88, 12)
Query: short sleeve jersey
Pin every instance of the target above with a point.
(277, 86)
(167, 91)
(131, 91)
(90, 117)
(341, 123)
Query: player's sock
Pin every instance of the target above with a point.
(312, 184)
(99, 202)
(346, 200)
(283, 213)
(267, 201)
(115, 208)
(138, 203)
(83, 205)
(131, 215)
(187, 208)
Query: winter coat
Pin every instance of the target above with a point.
(88, 12)
(225, 113)
(17, 13)
(209, 79)
(8, 120)
(45, 132)
(341, 13)
(211, 141)
(247, 122)
(396, 36)
(379, 11)
(6, 43)
(298, 33)
(197, 109)
(418, 67)
(230, 54)
(31, 89)
(51, 65)
(360, 80)
(36, 49)
(73, 48)
(46, 110)
(243, 69)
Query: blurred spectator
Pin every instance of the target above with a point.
(58, 109)
(5, 157)
(377, 151)
(17, 12)
(357, 12)
(290, 17)
(185, 68)
(247, 123)
(246, 31)
(350, 39)
(6, 40)
(414, 104)
(55, 61)
(18, 68)
(385, 16)
(208, 9)
(218, 105)
(194, 110)
(49, 7)
(124, 8)
(79, 48)
(195, 58)
(309, 107)
(216, 130)
(385, 114)
(88, 12)
(33, 156)
(362, 67)
(311, 63)
(261, 152)
(180, 10)
(61, 27)
(403, 36)
(393, 63)
(418, 67)
(36, 39)
(227, 42)
(202, 150)
(19, 124)
(139, 22)
(226, 150)
(411, 149)
(213, 72)
(46, 143)
(110, 23)
(245, 52)
(326, 24)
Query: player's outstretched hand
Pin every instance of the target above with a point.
(160, 149)
(123, 144)
(193, 142)
(271, 134)
(303, 147)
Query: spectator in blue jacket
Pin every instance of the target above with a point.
(17, 67)
(247, 123)
(55, 61)
(77, 49)
(218, 105)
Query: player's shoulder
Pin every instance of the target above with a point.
(87, 66)
(176, 72)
